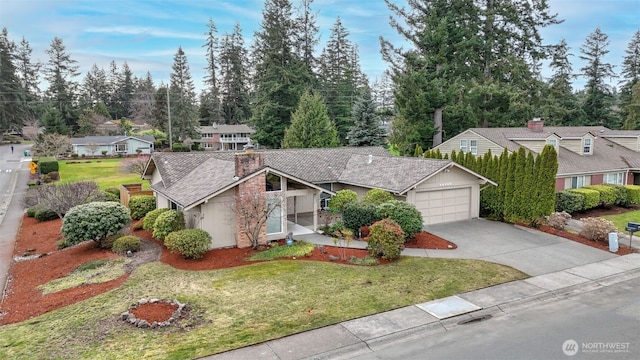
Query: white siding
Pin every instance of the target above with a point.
(483, 144)
(628, 142)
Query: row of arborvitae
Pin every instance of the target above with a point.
(592, 196)
(392, 222)
(526, 183)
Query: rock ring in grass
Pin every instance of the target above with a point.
(153, 313)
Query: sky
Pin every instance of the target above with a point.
(147, 33)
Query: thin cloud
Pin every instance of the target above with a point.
(148, 31)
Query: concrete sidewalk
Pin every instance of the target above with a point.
(364, 335)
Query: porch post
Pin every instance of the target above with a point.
(295, 209)
(315, 210)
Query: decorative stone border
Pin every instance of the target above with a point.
(129, 317)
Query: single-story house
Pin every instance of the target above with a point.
(587, 155)
(113, 145)
(214, 188)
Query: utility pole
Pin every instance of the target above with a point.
(169, 116)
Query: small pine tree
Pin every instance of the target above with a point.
(438, 154)
(418, 151)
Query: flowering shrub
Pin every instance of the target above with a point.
(386, 239)
(598, 229)
(558, 220)
(190, 243)
(94, 221)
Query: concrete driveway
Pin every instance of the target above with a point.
(532, 252)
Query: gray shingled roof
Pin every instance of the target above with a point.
(191, 177)
(106, 140)
(607, 156)
(227, 129)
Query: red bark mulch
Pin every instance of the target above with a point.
(622, 250)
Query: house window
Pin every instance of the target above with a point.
(122, 147)
(553, 142)
(586, 146)
(274, 215)
(473, 147)
(463, 146)
(273, 182)
(577, 182)
(614, 178)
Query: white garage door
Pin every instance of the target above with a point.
(440, 206)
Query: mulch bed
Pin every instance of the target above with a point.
(622, 250)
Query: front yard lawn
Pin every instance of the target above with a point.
(105, 172)
(240, 306)
(621, 220)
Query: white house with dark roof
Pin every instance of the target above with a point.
(209, 186)
(587, 155)
(113, 145)
(224, 137)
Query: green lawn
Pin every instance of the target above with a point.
(105, 172)
(621, 220)
(236, 307)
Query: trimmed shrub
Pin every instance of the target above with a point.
(386, 239)
(113, 190)
(355, 215)
(150, 218)
(622, 195)
(633, 193)
(608, 194)
(596, 228)
(190, 243)
(110, 197)
(31, 212)
(569, 201)
(46, 166)
(558, 220)
(141, 205)
(342, 198)
(45, 215)
(377, 196)
(126, 243)
(591, 197)
(405, 214)
(336, 228)
(54, 176)
(94, 221)
(168, 222)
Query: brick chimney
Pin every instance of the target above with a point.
(535, 125)
(248, 162)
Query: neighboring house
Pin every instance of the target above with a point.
(224, 137)
(587, 155)
(210, 187)
(113, 145)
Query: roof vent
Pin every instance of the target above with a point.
(370, 159)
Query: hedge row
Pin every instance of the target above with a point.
(592, 196)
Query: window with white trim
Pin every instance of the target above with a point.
(586, 146)
(121, 147)
(473, 147)
(613, 178)
(463, 146)
(577, 182)
(553, 142)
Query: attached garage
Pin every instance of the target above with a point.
(440, 206)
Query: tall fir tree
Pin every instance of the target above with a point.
(234, 86)
(184, 113)
(94, 86)
(599, 99)
(12, 105)
(60, 72)
(562, 108)
(306, 35)
(160, 111)
(280, 75)
(310, 125)
(629, 76)
(210, 105)
(28, 71)
(143, 100)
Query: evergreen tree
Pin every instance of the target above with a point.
(366, 130)
(94, 86)
(12, 106)
(502, 171)
(235, 78)
(125, 90)
(510, 201)
(280, 76)
(184, 113)
(60, 72)
(310, 125)
(546, 181)
(528, 207)
(159, 112)
(630, 73)
(210, 106)
(599, 98)
(339, 78)
(632, 119)
(306, 35)
(562, 107)
(28, 73)
(53, 122)
(143, 100)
